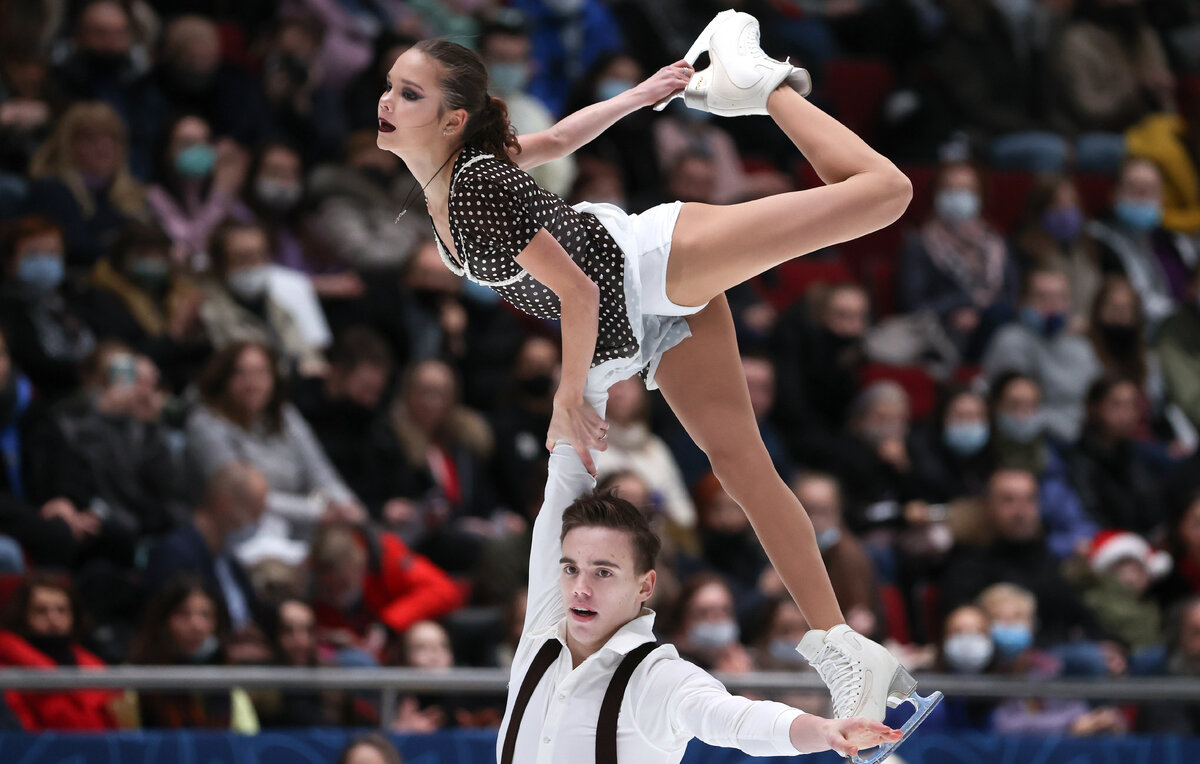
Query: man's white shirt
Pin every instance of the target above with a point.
(668, 701)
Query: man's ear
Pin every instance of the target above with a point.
(646, 590)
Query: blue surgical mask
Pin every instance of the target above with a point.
(1048, 325)
(1063, 224)
(713, 635)
(206, 650)
(784, 651)
(152, 273)
(966, 438)
(1020, 429)
(968, 653)
(196, 161)
(1012, 639)
(956, 205)
(508, 76)
(240, 536)
(1140, 216)
(41, 272)
(610, 87)
(828, 538)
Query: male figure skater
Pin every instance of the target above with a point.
(588, 682)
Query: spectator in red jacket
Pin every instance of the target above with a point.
(40, 633)
(369, 586)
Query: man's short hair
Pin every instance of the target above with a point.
(607, 510)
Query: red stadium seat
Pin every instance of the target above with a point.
(1005, 195)
(895, 613)
(1095, 193)
(788, 282)
(857, 89)
(9, 583)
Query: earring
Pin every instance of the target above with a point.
(446, 132)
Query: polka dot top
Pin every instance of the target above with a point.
(495, 210)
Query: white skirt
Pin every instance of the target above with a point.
(657, 323)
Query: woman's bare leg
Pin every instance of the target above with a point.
(703, 381)
(715, 247)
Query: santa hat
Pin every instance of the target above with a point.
(1111, 547)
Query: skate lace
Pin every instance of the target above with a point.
(843, 675)
(749, 42)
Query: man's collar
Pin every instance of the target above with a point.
(636, 632)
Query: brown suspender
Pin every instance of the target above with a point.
(610, 707)
(606, 726)
(542, 661)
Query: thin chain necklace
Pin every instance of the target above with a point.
(414, 186)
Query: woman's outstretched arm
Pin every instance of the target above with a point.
(580, 128)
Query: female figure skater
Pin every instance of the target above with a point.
(646, 292)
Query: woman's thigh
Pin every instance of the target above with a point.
(703, 381)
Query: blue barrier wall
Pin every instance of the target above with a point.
(478, 747)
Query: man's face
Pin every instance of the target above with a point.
(599, 584)
(1049, 293)
(49, 613)
(846, 313)
(1012, 502)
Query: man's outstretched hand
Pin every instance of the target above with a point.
(847, 737)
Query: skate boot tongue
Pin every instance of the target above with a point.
(811, 644)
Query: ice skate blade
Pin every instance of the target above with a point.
(698, 47)
(924, 706)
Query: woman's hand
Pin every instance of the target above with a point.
(664, 84)
(578, 423)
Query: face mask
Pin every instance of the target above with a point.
(151, 273)
(104, 62)
(190, 81)
(828, 538)
(1048, 325)
(1063, 224)
(537, 386)
(240, 536)
(1015, 10)
(784, 651)
(565, 7)
(1011, 638)
(1120, 339)
(968, 653)
(41, 272)
(1022, 430)
(714, 636)
(276, 195)
(610, 87)
(1139, 216)
(966, 439)
(508, 76)
(196, 161)
(206, 650)
(956, 206)
(248, 283)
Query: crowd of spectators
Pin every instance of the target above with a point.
(248, 418)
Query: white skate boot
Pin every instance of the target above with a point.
(740, 76)
(865, 680)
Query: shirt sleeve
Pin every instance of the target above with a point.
(496, 213)
(566, 481)
(676, 701)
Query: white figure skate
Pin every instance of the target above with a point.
(740, 76)
(865, 680)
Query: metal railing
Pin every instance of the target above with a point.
(390, 683)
